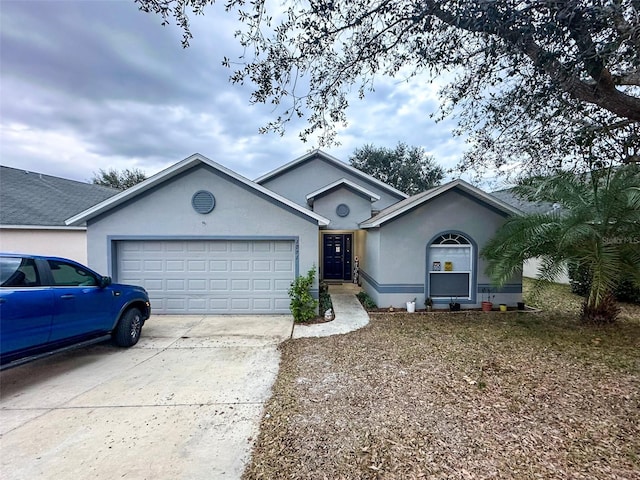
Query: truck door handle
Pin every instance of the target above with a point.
(67, 296)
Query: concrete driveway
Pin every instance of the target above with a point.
(185, 403)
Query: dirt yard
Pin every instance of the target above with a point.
(457, 396)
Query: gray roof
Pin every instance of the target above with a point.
(507, 196)
(29, 198)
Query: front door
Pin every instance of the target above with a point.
(337, 256)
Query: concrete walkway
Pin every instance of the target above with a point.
(349, 313)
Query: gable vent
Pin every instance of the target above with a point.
(342, 210)
(203, 202)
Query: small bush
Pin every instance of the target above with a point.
(366, 301)
(580, 281)
(325, 298)
(607, 311)
(303, 306)
(627, 292)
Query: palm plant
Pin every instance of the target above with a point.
(596, 227)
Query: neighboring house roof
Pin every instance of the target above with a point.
(35, 199)
(410, 203)
(177, 169)
(328, 158)
(343, 182)
(525, 206)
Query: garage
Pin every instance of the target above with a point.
(202, 239)
(210, 276)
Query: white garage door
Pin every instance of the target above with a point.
(210, 276)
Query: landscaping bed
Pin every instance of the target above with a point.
(459, 396)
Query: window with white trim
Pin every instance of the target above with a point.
(450, 267)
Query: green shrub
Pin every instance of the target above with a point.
(580, 281)
(366, 301)
(627, 292)
(303, 306)
(325, 298)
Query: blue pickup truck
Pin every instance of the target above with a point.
(49, 304)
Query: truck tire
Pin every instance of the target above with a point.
(127, 333)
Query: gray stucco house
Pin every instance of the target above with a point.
(204, 239)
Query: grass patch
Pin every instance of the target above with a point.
(458, 396)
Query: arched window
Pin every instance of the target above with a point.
(450, 267)
(451, 239)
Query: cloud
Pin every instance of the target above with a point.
(98, 84)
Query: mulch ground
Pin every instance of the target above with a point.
(472, 395)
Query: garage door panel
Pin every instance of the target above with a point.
(283, 246)
(175, 266)
(221, 285)
(152, 265)
(261, 266)
(210, 276)
(175, 284)
(240, 285)
(197, 265)
(262, 304)
(218, 266)
(197, 285)
(197, 305)
(262, 285)
(175, 304)
(281, 304)
(239, 265)
(240, 304)
(195, 246)
(281, 285)
(240, 246)
(283, 266)
(151, 247)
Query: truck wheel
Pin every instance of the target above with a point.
(127, 333)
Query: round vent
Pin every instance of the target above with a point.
(203, 202)
(342, 210)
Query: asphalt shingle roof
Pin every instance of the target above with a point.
(525, 206)
(29, 198)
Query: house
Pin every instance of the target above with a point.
(203, 239)
(33, 210)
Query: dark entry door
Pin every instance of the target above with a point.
(337, 256)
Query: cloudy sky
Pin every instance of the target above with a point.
(88, 85)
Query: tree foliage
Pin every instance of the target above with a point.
(120, 180)
(409, 169)
(532, 81)
(597, 228)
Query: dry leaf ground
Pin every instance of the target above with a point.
(456, 396)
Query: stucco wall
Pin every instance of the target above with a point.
(166, 212)
(67, 243)
(401, 272)
(531, 266)
(296, 183)
(359, 209)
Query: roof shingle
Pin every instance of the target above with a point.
(29, 198)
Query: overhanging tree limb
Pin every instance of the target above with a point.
(571, 59)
